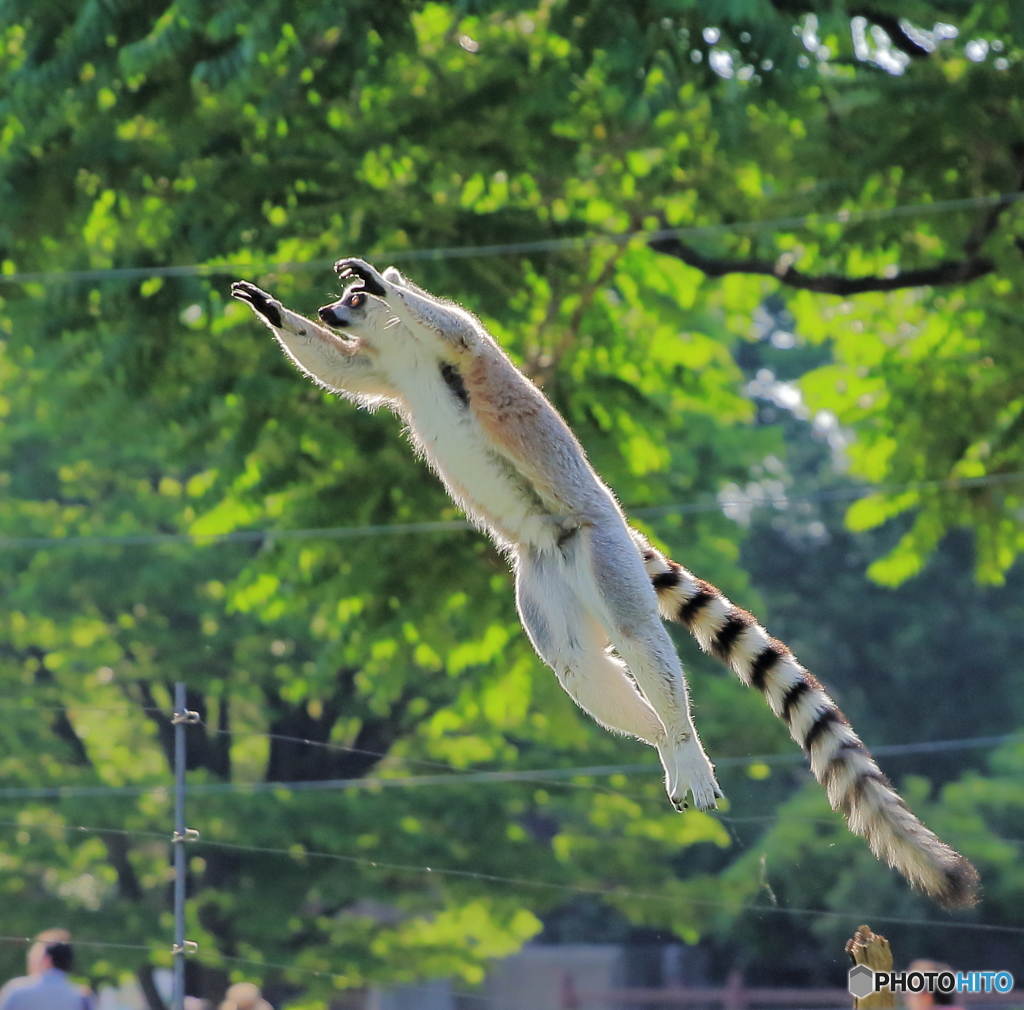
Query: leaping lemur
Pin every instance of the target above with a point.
(590, 590)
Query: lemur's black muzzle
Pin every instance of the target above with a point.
(329, 315)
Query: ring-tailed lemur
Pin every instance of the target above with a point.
(588, 588)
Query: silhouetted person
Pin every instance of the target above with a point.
(34, 960)
(923, 1000)
(50, 989)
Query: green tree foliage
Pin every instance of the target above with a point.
(265, 140)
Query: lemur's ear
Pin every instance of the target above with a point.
(392, 275)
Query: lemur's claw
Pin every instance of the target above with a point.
(260, 302)
(360, 269)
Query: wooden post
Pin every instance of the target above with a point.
(734, 997)
(567, 997)
(873, 950)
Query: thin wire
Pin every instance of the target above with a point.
(72, 707)
(544, 776)
(480, 778)
(85, 829)
(216, 956)
(508, 248)
(247, 788)
(457, 771)
(839, 494)
(433, 871)
(835, 822)
(81, 943)
(238, 536)
(773, 819)
(917, 747)
(443, 526)
(328, 745)
(880, 750)
(157, 947)
(604, 891)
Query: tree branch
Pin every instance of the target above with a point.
(543, 368)
(971, 267)
(61, 725)
(211, 751)
(148, 987)
(117, 854)
(948, 272)
(292, 759)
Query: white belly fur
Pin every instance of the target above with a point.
(450, 438)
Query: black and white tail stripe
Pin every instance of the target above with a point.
(840, 762)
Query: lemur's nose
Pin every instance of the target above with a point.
(328, 314)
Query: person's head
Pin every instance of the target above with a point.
(37, 953)
(60, 956)
(926, 1000)
(244, 996)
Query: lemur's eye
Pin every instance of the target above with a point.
(356, 299)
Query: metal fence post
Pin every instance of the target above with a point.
(182, 717)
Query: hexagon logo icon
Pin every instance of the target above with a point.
(861, 981)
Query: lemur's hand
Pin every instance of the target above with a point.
(373, 282)
(259, 301)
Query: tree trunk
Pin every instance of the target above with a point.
(149, 989)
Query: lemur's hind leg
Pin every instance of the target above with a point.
(612, 582)
(575, 646)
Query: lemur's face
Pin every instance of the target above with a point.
(357, 311)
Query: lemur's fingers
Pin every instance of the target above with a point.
(373, 282)
(259, 301)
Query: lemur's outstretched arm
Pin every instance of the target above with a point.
(342, 365)
(584, 581)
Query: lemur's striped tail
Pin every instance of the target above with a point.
(840, 762)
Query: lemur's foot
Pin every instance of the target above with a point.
(373, 282)
(706, 794)
(694, 774)
(259, 301)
